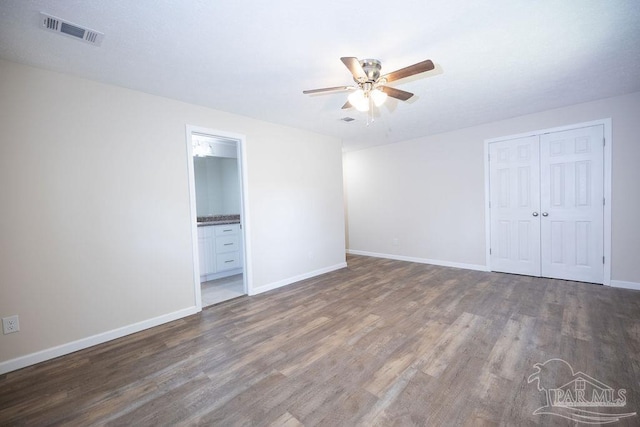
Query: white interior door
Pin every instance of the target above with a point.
(515, 205)
(572, 208)
(547, 205)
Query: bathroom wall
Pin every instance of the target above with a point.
(217, 186)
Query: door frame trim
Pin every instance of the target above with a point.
(606, 123)
(244, 206)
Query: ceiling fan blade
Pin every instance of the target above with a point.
(347, 105)
(327, 89)
(396, 93)
(411, 70)
(354, 66)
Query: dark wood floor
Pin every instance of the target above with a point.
(381, 342)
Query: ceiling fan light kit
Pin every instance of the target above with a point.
(378, 97)
(370, 86)
(359, 99)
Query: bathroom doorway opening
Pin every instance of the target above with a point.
(217, 180)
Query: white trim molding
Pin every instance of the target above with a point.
(290, 280)
(441, 263)
(625, 285)
(61, 350)
(245, 222)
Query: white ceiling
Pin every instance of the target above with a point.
(494, 59)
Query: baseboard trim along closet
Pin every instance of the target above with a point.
(625, 285)
(61, 350)
(614, 283)
(290, 280)
(421, 260)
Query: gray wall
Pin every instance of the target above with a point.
(96, 230)
(429, 192)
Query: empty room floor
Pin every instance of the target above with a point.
(381, 342)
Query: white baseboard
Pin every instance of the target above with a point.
(614, 283)
(625, 285)
(61, 350)
(290, 280)
(421, 260)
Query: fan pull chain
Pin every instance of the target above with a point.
(370, 117)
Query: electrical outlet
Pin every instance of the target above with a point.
(10, 324)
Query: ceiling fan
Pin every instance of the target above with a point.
(370, 85)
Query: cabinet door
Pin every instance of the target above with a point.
(202, 258)
(206, 250)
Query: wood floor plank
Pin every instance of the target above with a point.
(286, 420)
(329, 343)
(451, 341)
(379, 343)
(509, 351)
(404, 357)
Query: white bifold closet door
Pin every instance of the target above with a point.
(546, 205)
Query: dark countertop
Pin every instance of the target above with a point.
(218, 220)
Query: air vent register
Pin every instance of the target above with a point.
(57, 25)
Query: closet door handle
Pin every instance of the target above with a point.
(535, 214)
(545, 214)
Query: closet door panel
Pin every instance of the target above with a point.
(572, 212)
(514, 206)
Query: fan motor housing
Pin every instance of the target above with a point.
(371, 68)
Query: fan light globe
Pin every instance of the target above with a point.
(379, 97)
(359, 100)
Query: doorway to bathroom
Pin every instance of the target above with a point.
(218, 215)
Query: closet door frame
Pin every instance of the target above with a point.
(608, 143)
